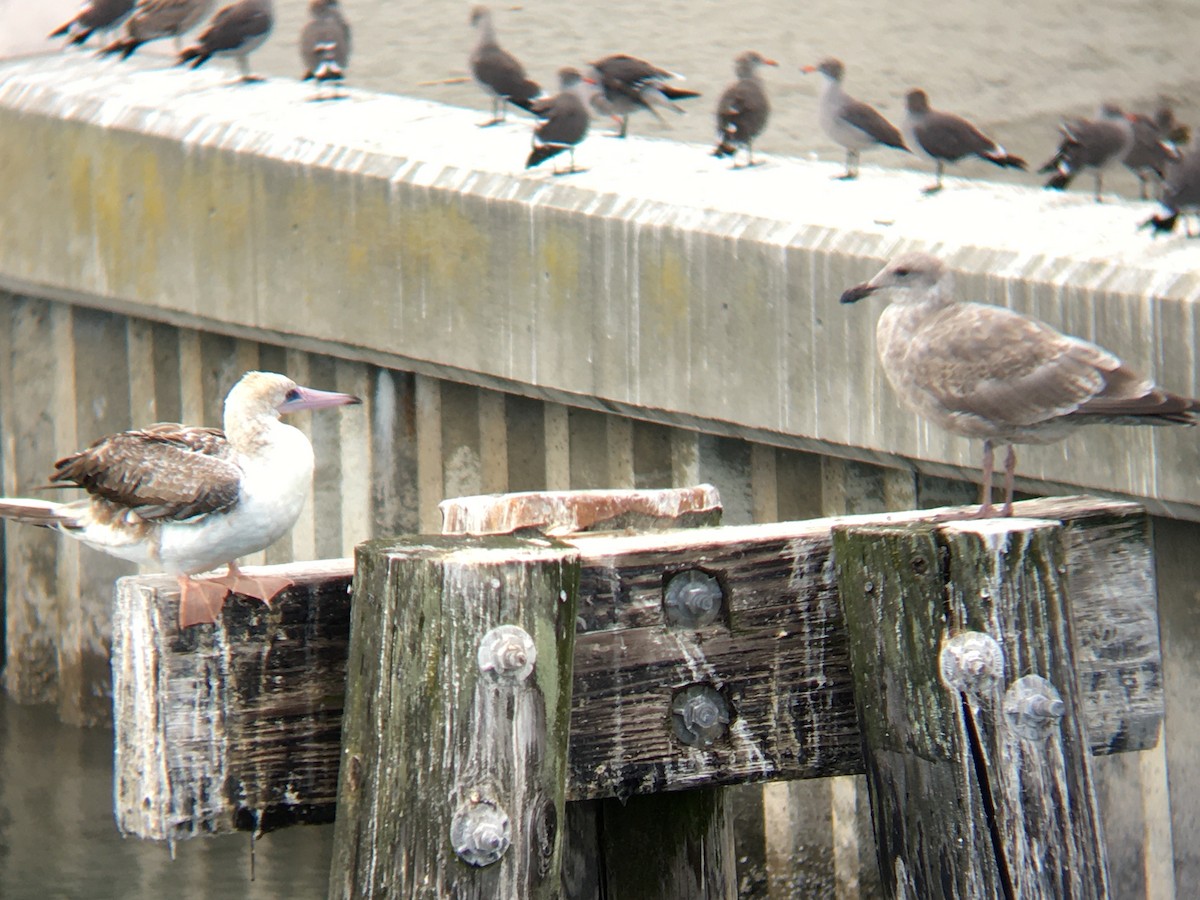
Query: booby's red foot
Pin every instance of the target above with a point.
(259, 587)
(200, 600)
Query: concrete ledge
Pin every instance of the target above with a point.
(659, 283)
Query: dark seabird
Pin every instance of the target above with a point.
(499, 72)
(566, 122)
(1155, 145)
(325, 43)
(626, 84)
(743, 110)
(1181, 194)
(153, 20)
(987, 372)
(1090, 144)
(946, 138)
(236, 30)
(849, 122)
(187, 499)
(96, 15)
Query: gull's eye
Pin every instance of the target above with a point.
(292, 395)
(903, 273)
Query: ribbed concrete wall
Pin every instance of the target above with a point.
(659, 283)
(166, 231)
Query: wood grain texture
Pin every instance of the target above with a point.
(779, 655)
(429, 734)
(965, 804)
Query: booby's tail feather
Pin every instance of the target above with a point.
(36, 512)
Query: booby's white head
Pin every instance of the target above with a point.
(912, 278)
(259, 398)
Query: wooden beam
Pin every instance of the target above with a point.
(975, 746)
(457, 708)
(779, 657)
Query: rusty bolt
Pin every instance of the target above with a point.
(480, 831)
(692, 599)
(508, 653)
(1033, 707)
(699, 715)
(972, 662)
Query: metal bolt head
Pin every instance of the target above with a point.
(480, 831)
(507, 653)
(699, 715)
(972, 663)
(1033, 707)
(692, 599)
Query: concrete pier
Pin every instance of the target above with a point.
(657, 320)
(659, 283)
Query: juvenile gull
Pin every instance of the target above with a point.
(236, 30)
(1093, 144)
(944, 137)
(566, 122)
(325, 43)
(987, 372)
(1181, 194)
(849, 122)
(743, 109)
(497, 71)
(96, 15)
(188, 499)
(626, 84)
(153, 20)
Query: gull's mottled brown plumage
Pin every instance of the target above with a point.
(987, 372)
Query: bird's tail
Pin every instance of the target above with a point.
(1161, 224)
(724, 148)
(543, 152)
(1060, 180)
(125, 46)
(527, 97)
(1005, 160)
(36, 512)
(62, 29)
(197, 56)
(327, 68)
(80, 37)
(666, 95)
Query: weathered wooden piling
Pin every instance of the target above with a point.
(458, 690)
(973, 726)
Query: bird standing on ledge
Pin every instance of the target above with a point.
(944, 137)
(987, 372)
(855, 125)
(236, 30)
(497, 71)
(325, 43)
(625, 84)
(566, 122)
(743, 109)
(157, 19)
(189, 499)
(97, 15)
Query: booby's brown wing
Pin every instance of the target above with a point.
(166, 472)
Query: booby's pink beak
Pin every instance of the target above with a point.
(300, 398)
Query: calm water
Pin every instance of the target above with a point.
(1015, 67)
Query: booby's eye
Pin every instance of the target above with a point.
(292, 396)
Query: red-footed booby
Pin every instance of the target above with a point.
(497, 71)
(157, 19)
(946, 138)
(566, 122)
(96, 15)
(626, 84)
(236, 30)
(987, 372)
(743, 109)
(325, 43)
(855, 125)
(189, 499)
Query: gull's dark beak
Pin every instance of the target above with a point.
(858, 292)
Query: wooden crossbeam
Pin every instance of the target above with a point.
(235, 726)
